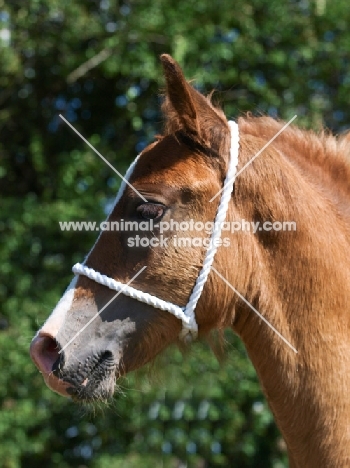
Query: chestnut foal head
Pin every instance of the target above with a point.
(172, 182)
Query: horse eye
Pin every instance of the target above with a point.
(150, 211)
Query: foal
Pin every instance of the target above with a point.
(296, 279)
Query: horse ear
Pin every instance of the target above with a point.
(178, 92)
(187, 109)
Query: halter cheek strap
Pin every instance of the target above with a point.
(186, 314)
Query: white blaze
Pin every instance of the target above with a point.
(56, 319)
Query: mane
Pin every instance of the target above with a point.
(325, 157)
(321, 157)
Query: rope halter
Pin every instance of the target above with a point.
(185, 314)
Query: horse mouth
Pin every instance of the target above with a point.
(57, 385)
(92, 380)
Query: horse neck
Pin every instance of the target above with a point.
(298, 281)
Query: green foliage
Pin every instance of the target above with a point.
(96, 62)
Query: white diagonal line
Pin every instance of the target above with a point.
(99, 312)
(254, 157)
(103, 158)
(254, 309)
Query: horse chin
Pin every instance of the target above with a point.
(92, 392)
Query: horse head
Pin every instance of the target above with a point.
(92, 337)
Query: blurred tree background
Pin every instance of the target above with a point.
(96, 62)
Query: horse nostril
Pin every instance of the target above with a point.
(44, 351)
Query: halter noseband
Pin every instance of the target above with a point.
(187, 313)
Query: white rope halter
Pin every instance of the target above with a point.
(186, 314)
